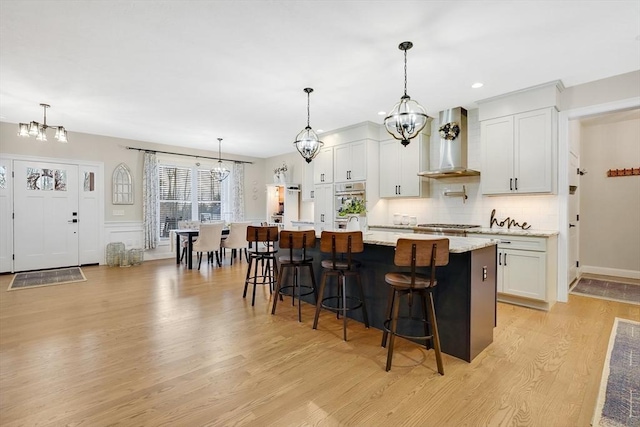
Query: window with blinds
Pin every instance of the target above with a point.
(188, 194)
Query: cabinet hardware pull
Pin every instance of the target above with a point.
(399, 189)
(312, 193)
(505, 260)
(516, 180)
(508, 242)
(510, 184)
(500, 258)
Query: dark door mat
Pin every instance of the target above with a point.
(604, 289)
(34, 279)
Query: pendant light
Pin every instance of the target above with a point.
(407, 118)
(219, 173)
(307, 141)
(40, 130)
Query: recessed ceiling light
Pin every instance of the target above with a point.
(477, 85)
(382, 113)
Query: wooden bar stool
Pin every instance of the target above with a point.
(341, 245)
(297, 242)
(415, 253)
(262, 242)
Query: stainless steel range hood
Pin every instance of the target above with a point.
(453, 146)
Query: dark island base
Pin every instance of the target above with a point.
(465, 301)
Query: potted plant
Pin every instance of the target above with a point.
(353, 206)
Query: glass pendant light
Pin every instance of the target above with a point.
(408, 117)
(307, 142)
(40, 130)
(219, 173)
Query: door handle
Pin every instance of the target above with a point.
(571, 225)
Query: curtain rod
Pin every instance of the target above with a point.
(146, 150)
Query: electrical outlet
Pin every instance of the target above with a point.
(484, 273)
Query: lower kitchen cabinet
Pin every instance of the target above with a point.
(527, 270)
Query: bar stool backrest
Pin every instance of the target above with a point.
(341, 243)
(422, 253)
(297, 240)
(262, 234)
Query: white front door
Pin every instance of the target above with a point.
(45, 226)
(6, 208)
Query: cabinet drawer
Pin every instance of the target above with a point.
(519, 242)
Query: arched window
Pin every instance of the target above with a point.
(122, 185)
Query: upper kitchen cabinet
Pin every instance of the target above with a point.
(323, 166)
(351, 162)
(399, 167)
(519, 148)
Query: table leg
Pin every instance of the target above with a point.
(190, 247)
(177, 248)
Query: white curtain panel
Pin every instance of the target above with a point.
(150, 197)
(237, 191)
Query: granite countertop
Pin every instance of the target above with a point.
(456, 244)
(513, 232)
(396, 227)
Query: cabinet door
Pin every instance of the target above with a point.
(307, 182)
(358, 161)
(342, 162)
(389, 168)
(409, 167)
(323, 207)
(533, 157)
(323, 166)
(496, 136)
(524, 273)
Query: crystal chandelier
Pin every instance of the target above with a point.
(219, 173)
(307, 141)
(407, 118)
(40, 130)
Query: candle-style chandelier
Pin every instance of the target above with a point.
(39, 130)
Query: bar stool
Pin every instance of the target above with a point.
(262, 242)
(414, 253)
(341, 245)
(297, 242)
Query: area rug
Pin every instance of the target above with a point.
(35, 279)
(618, 401)
(604, 289)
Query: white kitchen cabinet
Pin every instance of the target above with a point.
(307, 182)
(518, 152)
(527, 270)
(323, 213)
(323, 166)
(399, 167)
(351, 162)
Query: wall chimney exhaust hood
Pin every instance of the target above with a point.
(453, 146)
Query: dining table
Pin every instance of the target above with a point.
(190, 233)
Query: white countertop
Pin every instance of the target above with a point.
(456, 244)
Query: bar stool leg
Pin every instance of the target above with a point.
(344, 306)
(393, 328)
(385, 334)
(278, 286)
(426, 322)
(296, 284)
(255, 282)
(323, 283)
(436, 337)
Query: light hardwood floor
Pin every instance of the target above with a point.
(156, 345)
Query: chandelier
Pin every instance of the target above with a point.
(407, 118)
(40, 130)
(219, 173)
(307, 141)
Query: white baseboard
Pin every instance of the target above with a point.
(616, 272)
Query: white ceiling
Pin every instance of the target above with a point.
(187, 72)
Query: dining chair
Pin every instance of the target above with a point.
(209, 241)
(237, 239)
(184, 241)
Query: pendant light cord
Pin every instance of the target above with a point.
(308, 110)
(405, 72)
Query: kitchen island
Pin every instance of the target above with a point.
(465, 297)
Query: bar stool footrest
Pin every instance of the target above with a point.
(311, 290)
(386, 326)
(343, 309)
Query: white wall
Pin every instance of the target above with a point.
(610, 207)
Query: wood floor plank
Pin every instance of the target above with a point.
(157, 344)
